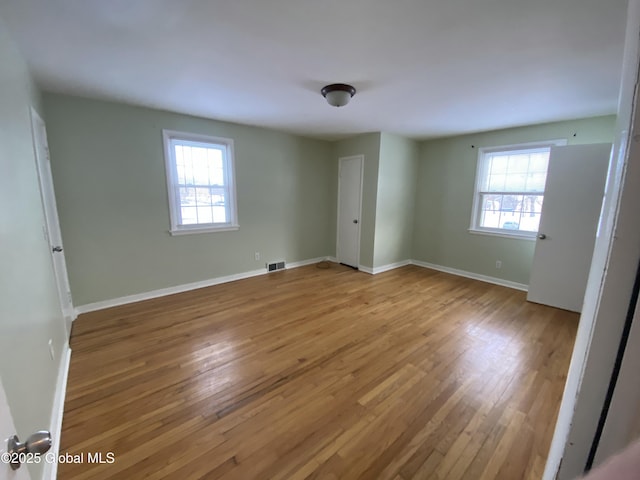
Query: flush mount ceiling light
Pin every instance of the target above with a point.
(338, 94)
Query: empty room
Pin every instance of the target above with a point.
(326, 240)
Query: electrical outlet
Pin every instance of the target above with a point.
(51, 352)
(256, 255)
(498, 264)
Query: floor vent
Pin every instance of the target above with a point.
(272, 267)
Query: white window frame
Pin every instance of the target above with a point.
(226, 144)
(481, 166)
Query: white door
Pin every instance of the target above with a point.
(51, 216)
(567, 233)
(349, 207)
(7, 430)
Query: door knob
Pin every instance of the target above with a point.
(56, 249)
(542, 236)
(355, 221)
(38, 443)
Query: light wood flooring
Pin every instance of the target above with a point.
(319, 374)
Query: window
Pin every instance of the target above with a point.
(200, 180)
(510, 189)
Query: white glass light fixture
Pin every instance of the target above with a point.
(338, 94)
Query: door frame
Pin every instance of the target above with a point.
(360, 158)
(610, 285)
(51, 227)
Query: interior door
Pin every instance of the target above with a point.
(566, 236)
(45, 177)
(349, 208)
(7, 430)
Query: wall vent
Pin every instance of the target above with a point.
(272, 267)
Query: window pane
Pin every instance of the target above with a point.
(205, 215)
(180, 165)
(491, 203)
(515, 173)
(518, 164)
(498, 164)
(509, 203)
(185, 166)
(217, 197)
(215, 167)
(189, 215)
(203, 196)
(535, 182)
(200, 165)
(219, 214)
(515, 182)
(539, 162)
(532, 206)
(496, 183)
(510, 220)
(490, 216)
(511, 212)
(187, 196)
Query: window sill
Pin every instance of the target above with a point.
(515, 236)
(190, 231)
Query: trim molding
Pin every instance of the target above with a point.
(92, 307)
(50, 470)
(391, 266)
(472, 275)
(138, 297)
(384, 268)
(304, 263)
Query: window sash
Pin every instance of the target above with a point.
(521, 213)
(202, 205)
(178, 186)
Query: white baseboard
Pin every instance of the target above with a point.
(304, 263)
(385, 268)
(92, 307)
(50, 470)
(474, 276)
(440, 268)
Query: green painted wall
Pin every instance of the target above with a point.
(109, 174)
(446, 176)
(29, 309)
(397, 175)
(108, 169)
(367, 144)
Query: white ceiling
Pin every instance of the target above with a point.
(422, 68)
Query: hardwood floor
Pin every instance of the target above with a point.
(312, 373)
